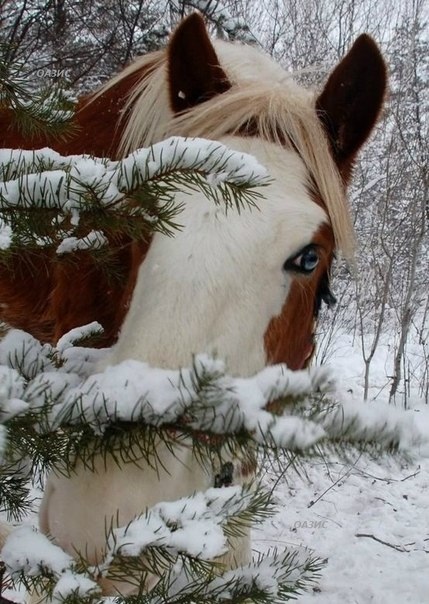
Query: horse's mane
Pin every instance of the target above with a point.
(262, 95)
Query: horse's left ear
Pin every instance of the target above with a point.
(352, 99)
(194, 72)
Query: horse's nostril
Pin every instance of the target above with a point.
(225, 476)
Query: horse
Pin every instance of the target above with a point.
(247, 286)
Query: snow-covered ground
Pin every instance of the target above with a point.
(369, 520)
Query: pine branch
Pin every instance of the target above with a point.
(44, 112)
(67, 203)
(61, 420)
(178, 543)
(15, 498)
(55, 420)
(55, 416)
(64, 421)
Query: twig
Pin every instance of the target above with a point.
(390, 479)
(411, 475)
(385, 501)
(399, 548)
(346, 475)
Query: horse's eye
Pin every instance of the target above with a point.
(305, 262)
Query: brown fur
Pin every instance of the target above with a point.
(290, 336)
(45, 295)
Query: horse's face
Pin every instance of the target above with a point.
(218, 283)
(247, 287)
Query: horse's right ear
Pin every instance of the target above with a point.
(194, 72)
(351, 101)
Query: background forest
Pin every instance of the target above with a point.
(81, 44)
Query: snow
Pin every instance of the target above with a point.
(191, 525)
(37, 357)
(29, 551)
(12, 387)
(366, 518)
(45, 179)
(77, 334)
(133, 391)
(67, 181)
(191, 153)
(3, 440)
(383, 423)
(5, 235)
(340, 502)
(235, 27)
(94, 240)
(71, 583)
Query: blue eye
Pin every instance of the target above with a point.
(304, 262)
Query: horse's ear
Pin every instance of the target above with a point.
(194, 72)
(352, 99)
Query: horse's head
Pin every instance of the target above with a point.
(248, 286)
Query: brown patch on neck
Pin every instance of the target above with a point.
(96, 129)
(101, 120)
(96, 295)
(290, 336)
(46, 295)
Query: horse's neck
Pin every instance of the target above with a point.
(96, 129)
(53, 307)
(99, 123)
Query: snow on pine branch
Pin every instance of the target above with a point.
(275, 577)
(204, 394)
(5, 235)
(190, 529)
(194, 526)
(276, 574)
(93, 241)
(61, 384)
(70, 185)
(30, 554)
(78, 334)
(379, 423)
(3, 440)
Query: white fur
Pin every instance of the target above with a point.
(113, 495)
(216, 285)
(244, 64)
